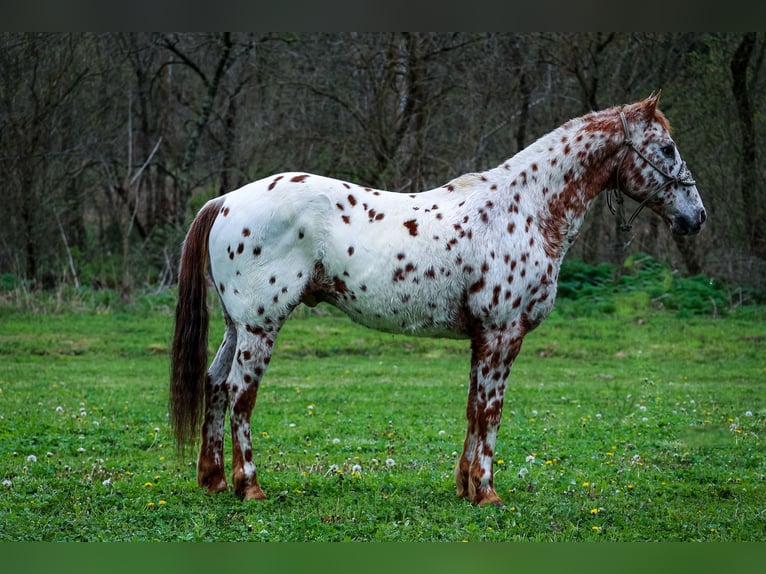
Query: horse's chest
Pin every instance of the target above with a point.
(519, 289)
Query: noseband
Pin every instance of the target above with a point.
(683, 176)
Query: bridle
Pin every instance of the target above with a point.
(683, 176)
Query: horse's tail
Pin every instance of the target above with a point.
(189, 355)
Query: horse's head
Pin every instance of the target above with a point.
(652, 172)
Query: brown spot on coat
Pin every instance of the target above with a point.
(412, 226)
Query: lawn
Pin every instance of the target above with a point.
(632, 425)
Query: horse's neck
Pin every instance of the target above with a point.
(557, 178)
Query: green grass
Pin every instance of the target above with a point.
(642, 425)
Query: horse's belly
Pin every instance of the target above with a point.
(428, 312)
(403, 319)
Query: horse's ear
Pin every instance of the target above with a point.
(651, 103)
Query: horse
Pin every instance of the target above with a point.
(477, 258)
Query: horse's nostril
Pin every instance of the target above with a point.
(703, 216)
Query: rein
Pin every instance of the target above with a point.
(683, 176)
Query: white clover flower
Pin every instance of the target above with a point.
(523, 471)
(442, 433)
(644, 419)
(31, 458)
(357, 468)
(642, 408)
(81, 450)
(59, 409)
(7, 483)
(107, 483)
(598, 416)
(748, 413)
(390, 463)
(530, 458)
(49, 454)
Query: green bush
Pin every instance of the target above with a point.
(643, 281)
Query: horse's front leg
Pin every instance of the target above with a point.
(210, 470)
(491, 360)
(252, 358)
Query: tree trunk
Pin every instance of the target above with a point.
(755, 234)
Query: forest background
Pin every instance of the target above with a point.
(110, 142)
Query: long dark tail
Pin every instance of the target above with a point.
(189, 358)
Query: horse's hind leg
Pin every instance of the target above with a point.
(254, 347)
(210, 470)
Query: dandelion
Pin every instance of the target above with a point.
(148, 484)
(162, 502)
(595, 511)
(586, 484)
(390, 463)
(31, 458)
(150, 504)
(500, 462)
(595, 528)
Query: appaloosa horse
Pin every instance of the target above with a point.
(477, 258)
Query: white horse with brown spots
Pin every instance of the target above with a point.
(477, 258)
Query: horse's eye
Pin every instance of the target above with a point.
(669, 151)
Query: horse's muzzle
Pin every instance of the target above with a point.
(685, 225)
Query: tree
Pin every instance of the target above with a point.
(745, 65)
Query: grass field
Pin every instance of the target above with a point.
(634, 425)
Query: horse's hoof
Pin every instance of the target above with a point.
(220, 486)
(253, 492)
(489, 499)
